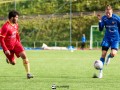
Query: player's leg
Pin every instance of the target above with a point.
(20, 52)
(7, 60)
(10, 58)
(104, 52)
(105, 47)
(100, 74)
(102, 58)
(114, 49)
(26, 64)
(82, 46)
(111, 55)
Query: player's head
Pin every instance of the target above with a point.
(84, 35)
(108, 11)
(13, 16)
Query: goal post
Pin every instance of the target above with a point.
(96, 36)
(91, 35)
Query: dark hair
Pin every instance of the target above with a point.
(12, 13)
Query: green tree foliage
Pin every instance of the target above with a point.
(30, 7)
(55, 29)
(49, 20)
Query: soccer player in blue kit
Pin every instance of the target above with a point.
(111, 22)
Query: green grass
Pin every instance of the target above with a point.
(67, 70)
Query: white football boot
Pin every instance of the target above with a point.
(107, 60)
(100, 74)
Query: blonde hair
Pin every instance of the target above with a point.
(108, 7)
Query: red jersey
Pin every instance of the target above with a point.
(9, 36)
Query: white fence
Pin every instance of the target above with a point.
(76, 44)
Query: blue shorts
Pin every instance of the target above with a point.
(112, 44)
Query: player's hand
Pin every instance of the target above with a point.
(7, 52)
(99, 16)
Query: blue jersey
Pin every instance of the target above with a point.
(112, 26)
(83, 39)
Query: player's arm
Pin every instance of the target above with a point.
(118, 24)
(101, 23)
(118, 20)
(2, 37)
(2, 42)
(3, 45)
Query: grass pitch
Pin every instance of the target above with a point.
(67, 70)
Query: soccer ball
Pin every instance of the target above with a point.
(98, 64)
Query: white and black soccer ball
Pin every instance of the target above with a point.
(53, 87)
(98, 64)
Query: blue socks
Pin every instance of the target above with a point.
(103, 60)
(109, 56)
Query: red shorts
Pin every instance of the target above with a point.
(16, 50)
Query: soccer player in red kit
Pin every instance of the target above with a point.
(10, 42)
